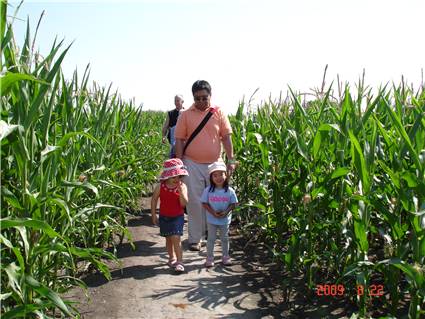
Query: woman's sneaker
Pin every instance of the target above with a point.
(209, 262)
(195, 247)
(179, 267)
(226, 261)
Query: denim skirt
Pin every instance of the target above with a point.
(169, 226)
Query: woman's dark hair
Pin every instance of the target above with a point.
(201, 85)
(225, 185)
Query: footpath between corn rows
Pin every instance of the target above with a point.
(145, 287)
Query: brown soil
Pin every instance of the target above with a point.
(143, 286)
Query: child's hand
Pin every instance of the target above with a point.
(220, 214)
(181, 187)
(155, 221)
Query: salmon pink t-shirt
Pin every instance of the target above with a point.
(206, 146)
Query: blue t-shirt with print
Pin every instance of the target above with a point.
(219, 200)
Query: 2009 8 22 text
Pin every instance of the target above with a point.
(340, 290)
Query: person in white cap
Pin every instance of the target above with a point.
(172, 195)
(219, 199)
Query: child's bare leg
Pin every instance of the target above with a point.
(177, 247)
(170, 248)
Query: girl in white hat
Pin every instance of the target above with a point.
(172, 195)
(219, 199)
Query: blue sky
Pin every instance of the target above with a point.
(152, 50)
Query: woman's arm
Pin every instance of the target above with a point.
(229, 209)
(154, 202)
(179, 148)
(183, 194)
(210, 209)
(165, 128)
(228, 149)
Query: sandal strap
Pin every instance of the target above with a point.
(179, 266)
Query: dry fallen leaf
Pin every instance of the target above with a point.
(180, 305)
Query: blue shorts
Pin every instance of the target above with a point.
(170, 226)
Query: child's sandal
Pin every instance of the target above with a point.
(172, 263)
(179, 267)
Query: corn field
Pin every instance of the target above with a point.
(73, 162)
(337, 187)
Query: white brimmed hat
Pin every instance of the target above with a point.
(217, 166)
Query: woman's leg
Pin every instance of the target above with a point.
(212, 235)
(224, 237)
(170, 250)
(177, 247)
(196, 182)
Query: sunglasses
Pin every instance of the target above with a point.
(201, 98)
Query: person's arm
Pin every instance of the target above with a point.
(229, 209)
(154, 202)
(179, 148)
(228, 148)
(183, 194)
(210, 210)
(165, 128)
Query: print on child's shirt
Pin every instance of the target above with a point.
(219, 200)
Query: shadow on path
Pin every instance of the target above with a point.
(250, 288)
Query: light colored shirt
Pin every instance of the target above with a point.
(206, 146)
(219, 200)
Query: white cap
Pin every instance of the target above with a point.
(217, 166)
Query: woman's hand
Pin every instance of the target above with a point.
(182, 189)
(231, 167)
(220, 214)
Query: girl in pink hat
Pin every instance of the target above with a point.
(172, 195)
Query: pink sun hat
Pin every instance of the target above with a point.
(173, 167)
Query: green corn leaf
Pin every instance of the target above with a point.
(15, 250)
(410, 179)
(32, 223)
(359, 162)
(399, 126)
(23, 232)
(14, 274)
(390, 218)
(11, 198)
(10, 78)
(49, 149)
(61, 203)
(340, 171)
(21, 311)
(83, 185)
(47, 293)
(393, 175)
(35, 105)
(317, 142)
(5, 296)
(6, 129)
(3, 10)
(410, 271)
(64, 140)
(361, 235)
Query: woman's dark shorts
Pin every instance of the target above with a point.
(169, 226)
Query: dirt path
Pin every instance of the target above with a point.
(145, 287)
